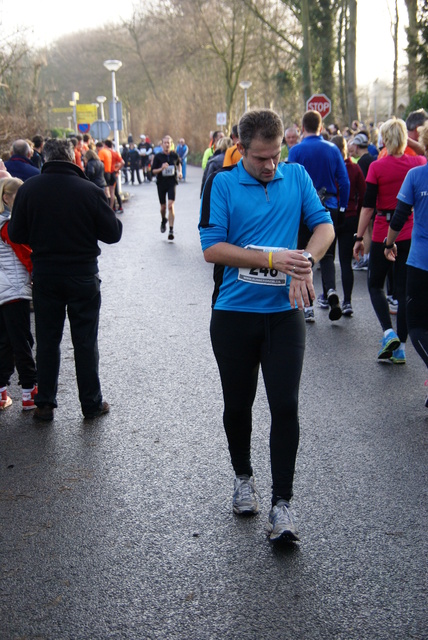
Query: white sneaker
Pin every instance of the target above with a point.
(281, 522)
(245, 495)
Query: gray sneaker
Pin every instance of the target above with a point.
(309, 314)
(245, 495)
(281, 523)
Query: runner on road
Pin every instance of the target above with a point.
(167, 170)
(250, 216)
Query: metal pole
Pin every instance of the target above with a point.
(245, 100)
(115, 130)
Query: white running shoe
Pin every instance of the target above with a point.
(245, 495)
(281, 522)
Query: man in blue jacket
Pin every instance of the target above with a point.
(250, 216)
(325, 165)
(20, 165)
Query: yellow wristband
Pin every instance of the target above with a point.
(270, 260)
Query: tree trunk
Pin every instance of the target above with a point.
(306, 52)
(412, 38)
(394, 30)
(340, 37)
(350, 61)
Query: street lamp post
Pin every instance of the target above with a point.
(101, 100)
(113, 66)
(245, 84)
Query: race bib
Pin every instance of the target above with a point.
(263, 275)
(168, 171)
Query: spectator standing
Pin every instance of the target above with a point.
(145, 149)
(232, 155)
(116, 166)
(209, 151)
(134, 163)
(37, 157)
(16, 340)
(215, 163)
(105, 156)
(19, 165)
(62, 216)
(94, 169)
(182, 152)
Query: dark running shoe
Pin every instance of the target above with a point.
(163, 225)
(335, 312)
(105, 408)
(171, 235)
(45, 413)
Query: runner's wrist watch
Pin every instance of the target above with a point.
(309, 257)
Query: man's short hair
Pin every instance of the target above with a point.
(234, 131)
(260, 123)
(59, 149)
(416, 119)
(312, 122)
(108, 143)
(38, 141)
(21, 148)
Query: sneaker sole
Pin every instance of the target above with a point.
(398, 360)
(245, 512)
(309, 320)
(386, 352)
(29, 408)
(285, 536)
(335, 313)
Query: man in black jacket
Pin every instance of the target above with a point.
(62, 215)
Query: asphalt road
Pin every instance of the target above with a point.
(122, 528)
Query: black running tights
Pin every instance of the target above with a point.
(241, 343)
(378, 270)
(417, 310)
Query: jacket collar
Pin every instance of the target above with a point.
(63, 167)
(245, 178)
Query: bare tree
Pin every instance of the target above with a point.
(412, 37)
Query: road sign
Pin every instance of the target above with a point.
(221, 118)
(319, 102)
(100, 130)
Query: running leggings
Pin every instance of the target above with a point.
(242, 342)
(417, 310)
(378, 270)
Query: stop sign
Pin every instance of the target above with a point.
(319, 102)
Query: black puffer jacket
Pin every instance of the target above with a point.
(62, 216)
(94, 170)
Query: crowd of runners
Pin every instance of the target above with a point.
(274, 203)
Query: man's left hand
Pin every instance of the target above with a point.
(302, 291)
